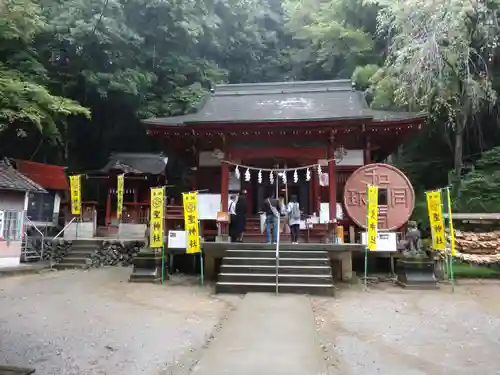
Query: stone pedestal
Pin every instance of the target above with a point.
(10, 370)
(416, 273)
(147, 267)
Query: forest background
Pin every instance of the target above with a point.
(77, 76)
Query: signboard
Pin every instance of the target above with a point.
(190, 201)
(157, 214)
(119, 196)
(436, 219)
(223, 217)
(372, 216)
(386, 241)
(76, 197)
(209, 205)
(176, 239)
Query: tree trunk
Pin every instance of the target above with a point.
(458, 154)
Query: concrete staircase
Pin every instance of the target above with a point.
(79, 254)
(253, 269)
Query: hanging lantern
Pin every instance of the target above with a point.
(247, 175)
(259, 177)
(283, 176)
(308, 174)
(295, 176)
(237, 172)
(271, 177)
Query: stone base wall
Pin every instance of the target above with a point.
(107, 253)
(116, 253)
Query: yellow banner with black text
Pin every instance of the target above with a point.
(119, 196)
(436, 219)
(157, 217)
(372, 217)
(76, 195)
(190, 202)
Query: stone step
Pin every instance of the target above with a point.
(74, 260)
(271, 254)
(272, 261)
(79, 253)
(68, 266)
(85, 246)
(303, 270)
(271, 278)
(246, 287)
(283, 246)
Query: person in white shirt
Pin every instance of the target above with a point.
(232, 216)
(293, 210)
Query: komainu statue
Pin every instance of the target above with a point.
(414, 246)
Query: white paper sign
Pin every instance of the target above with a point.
(324, 212)
(177, 239)
(386, 241)
(2, 224)
(208, 206)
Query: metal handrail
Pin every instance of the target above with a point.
(38, 230)
(65, 227)
(277, 253)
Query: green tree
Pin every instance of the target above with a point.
(332, 37)
(438, 60)
(480, 189)
(26, 102)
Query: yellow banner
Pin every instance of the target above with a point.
(190, 202)
(76, 195)
(157, 214)
(372, 217)
(452, 230)
(119, 196)
(436, 219)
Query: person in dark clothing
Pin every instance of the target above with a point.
(241, 211)
(272, 211)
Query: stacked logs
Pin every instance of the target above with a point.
(53, 250)
(481, 248)
(114, 253)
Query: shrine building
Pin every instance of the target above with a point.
(239, 129)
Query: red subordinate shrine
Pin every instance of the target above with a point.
(302, 138)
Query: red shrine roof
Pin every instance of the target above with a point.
(46, 175)
(284, 102)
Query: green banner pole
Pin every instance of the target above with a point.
(446, 255)
(452, 233)
(202, 274)
(366, 247)
(163, 264)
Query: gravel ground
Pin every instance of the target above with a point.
(95, 322)
(390, 331)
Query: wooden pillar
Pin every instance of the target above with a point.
(224, 190)
(194, 181)
(367, 156)
(332, 181)
(108, 208)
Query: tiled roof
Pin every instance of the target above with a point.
(283, 101)
(10, 179)
(46, 175)
(136, 163)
